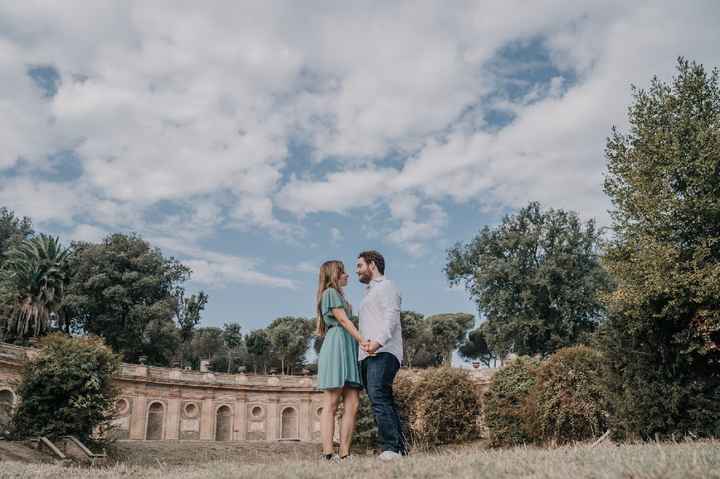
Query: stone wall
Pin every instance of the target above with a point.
(173, 404)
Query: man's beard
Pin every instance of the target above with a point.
(364, 278)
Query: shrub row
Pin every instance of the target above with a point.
(438, 406)
(555, 401)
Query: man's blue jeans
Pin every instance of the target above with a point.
(378, 373)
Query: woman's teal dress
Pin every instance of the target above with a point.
(338, 358)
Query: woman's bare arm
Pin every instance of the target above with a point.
(341, 316)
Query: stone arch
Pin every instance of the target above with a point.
(155, 422)
(7, 404)
(289, 424)
(223, 423)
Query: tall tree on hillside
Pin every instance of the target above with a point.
(536, 278)
(122, 285)
(662, 337)
(34, 279)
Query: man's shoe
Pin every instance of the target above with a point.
(346, 459)
(389, 456)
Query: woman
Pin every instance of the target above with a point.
(338, 371)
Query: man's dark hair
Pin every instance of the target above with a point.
(373, 256)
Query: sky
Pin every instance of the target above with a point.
(255, 140)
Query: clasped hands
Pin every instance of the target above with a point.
(370, 346)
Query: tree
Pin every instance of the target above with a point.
(34, 278)
(67, 389)
(233, 340)
(13, 230)
(448, 331)
(258, 347)
(476, 347)
(412, 324)
(188, 313)
(662, 337)
(121, 286)
(289, 337)
(536, 278)
(207, 343)
(161, 342)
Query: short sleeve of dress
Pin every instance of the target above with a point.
(331, 299)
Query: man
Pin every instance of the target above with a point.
(382, 353)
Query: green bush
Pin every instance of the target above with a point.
(567, 402)
(67, 389)
(505, 407)
(437, 406)
(441, 406)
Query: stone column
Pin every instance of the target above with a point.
(273, 419)
(172, 420)
(305, 419)
(207, 420)
(137, 418)
(240, 427)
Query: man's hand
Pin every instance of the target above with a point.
(364, 345)
(372, 347)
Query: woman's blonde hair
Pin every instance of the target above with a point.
(330, 272)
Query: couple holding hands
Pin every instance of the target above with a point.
(352, 359)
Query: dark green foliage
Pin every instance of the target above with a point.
(161, 342)
(430, 341)
(567, 402)
(535, 277)
(448, 331)
(188, 313)
(123, 285)
(505, 403)
(13, 230)
(33, 282)
(67, 389)
(257, 344)
(662, 337)
(289, 339)
(476, 347)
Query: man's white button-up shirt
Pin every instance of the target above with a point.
(380, 317)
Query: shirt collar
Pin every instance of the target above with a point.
(377, 280)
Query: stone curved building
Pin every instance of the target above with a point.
(173, 404)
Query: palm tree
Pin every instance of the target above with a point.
(34, 276)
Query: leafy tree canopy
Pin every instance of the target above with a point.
(67, 389)
(535, 277)
(33, 281)
(662, 337)
(122, 285)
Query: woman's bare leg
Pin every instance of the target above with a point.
(351, 403)
(331, 399)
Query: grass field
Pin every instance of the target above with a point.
(686, 460)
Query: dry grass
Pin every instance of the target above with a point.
(686, 460)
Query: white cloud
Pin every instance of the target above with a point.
(195, 104)
(218, 269)
(335, 234)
